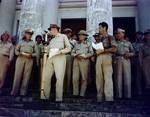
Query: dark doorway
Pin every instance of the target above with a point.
(75, 24)
(127, 23)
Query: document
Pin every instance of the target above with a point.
(53, 52)
(98, 46)
(83, 55)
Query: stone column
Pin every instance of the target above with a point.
(99, 11)
(144, 15)
(7, 15)
(31, 16)
(50, 14)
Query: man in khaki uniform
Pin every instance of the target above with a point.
(38, 68)
(82, 51)
(104, 69)
(69, 60)
(145, 58)
(137, 70)
(124, 53)
(56, 63)
(6, 56)
(26, 50)
(40, 47)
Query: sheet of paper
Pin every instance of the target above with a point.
(82, 55)
(98, 46)
(53, 52)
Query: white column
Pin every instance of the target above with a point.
(31, 16)
(50, 15)
(99, 11)
(7, 15)
(144, 15)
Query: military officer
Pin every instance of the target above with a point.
(82, 51)
(145, 58)
(56, 63)
(38, 67)
(40, 47)
(137, 70)
(123, 55)
(26, 50)
(104, 69)
(69, 58)
(6, 56)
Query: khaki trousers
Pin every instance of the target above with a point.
(123, 77)
(80, 66)
(56, 64)
(3, 69)
(104, 81)
(146, 71)
(68, 78)
(137, 70)
(22, 75)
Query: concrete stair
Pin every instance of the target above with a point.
(73, 107)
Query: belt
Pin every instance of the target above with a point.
(25, 56)
(122, 55)
(4, 55)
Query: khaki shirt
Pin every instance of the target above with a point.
(7, 49)
(124, 47)
(137, 46)
(72, 43)
(27, 47)
(60, 42)
(40, 50)
(145, 50)
(82, 48)
(108, 41)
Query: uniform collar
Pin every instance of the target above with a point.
(105, 36)
(4, 43)
(28, 41)
(58, 35)
(82, 42)
(122, 40)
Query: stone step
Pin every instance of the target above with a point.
(5, 112)
(133, 106)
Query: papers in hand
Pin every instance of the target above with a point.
(98, 46)
(83, 55)
(53, 52)
(25, 54)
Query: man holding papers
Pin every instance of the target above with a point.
(58, 47)
(104, 51)
(82, 52)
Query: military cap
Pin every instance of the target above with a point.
(147, 32)
(139, 32)
(121, 30)
(96, 34)
(83, 32)
(30, 31)
(67, 30)
(53, 26)
(5, 33)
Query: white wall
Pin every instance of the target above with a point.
(128, 11)
(69, 13)
(7, 13)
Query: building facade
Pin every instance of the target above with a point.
(128, 14)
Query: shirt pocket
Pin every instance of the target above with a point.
(126, 47)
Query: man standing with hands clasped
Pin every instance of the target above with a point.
(123, 65)
(26, 50)
(6, 56)
(58, 46)
(81, 52)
